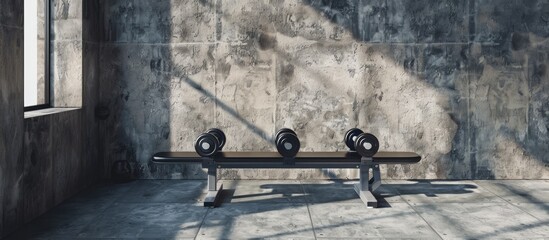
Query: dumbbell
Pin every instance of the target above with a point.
(350, 137)
(220, 135)
(287, 142)
(284, 130)
(366, 144)
(210, 142)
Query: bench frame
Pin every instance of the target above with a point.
(364, 188)
(368, 182)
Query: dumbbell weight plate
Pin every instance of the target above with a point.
(284, 130)
(281, 131)
(277, 141)
(279, 134)
(288, 144)
(206, 144)
(350, 137)
(219, 135)
(366, 144)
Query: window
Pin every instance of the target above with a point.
(36, 54)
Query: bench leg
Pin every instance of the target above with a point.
(366, 185)
(376, 179)
(366, 196)
(213, 197)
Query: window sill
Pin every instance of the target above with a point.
(47, 111)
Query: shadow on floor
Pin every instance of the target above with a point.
(340, 191)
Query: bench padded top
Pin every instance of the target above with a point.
(380, 157)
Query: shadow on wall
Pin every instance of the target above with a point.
(310, 97)
(496, 78)
(135, 82)
(167, 101)
(220, 104)
(447, 80)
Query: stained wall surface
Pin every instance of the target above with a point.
(11, 114)
(462, 83)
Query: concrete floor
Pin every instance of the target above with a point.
(172, 209)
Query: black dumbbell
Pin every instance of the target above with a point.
(206, 144)
(219, 135)
(287, 142)
(284, 130)
(366, 144)
(281, 131)
(350, 137)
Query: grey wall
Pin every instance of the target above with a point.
(47, 158)
(67, 55)
(11, 114)
(41, 67)
(463, 83)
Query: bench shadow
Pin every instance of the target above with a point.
(341, 191)
(430, 189)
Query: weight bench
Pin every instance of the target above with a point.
(365, 188)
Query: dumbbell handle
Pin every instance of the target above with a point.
(366, 145)
(288, 146)
(206, 145)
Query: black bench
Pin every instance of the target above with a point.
(220, 160)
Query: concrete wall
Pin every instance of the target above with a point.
(463, 83)
(49, 155)
(41, 67)
(66, 57)
(11, 115)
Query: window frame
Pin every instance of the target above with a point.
(47, 67)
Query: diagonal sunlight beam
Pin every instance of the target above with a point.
(265, 136)
(398, 87)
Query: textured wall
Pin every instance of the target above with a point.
(11, 115)
(463, 83)
(41, 67)
(53, 163)
(67, 53)
(47, 158)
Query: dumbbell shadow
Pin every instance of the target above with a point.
(263, 191)
(340, 191)
(295, 192)
(436, 190)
